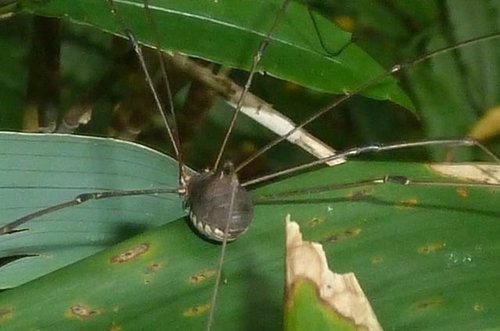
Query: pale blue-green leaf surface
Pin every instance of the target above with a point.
(38, 171)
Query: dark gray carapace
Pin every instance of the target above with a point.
(208, 199)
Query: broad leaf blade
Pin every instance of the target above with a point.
(229, 32)
(38, 171)
(425, 257)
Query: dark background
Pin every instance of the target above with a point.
(391, 31)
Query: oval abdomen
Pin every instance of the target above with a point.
(208, 200)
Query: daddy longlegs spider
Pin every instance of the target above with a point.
(357, 194)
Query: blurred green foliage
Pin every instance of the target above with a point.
(451, 91)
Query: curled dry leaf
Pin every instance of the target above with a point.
(479, 173)
(340, 294)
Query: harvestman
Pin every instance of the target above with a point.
(219, 182)
(215, 196)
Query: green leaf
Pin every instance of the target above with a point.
(37, 171)
(308, 312)
(229, 32)
(426, 257)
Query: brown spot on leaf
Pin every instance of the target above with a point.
(462, 192)
(130, 254)
(314, 222)
(412, 202)
(196, 310)
(5, 313)
(341, 235)
(352, 232)
(431, 247)
(426, 304)
(82, 311)
(200, 277)
(377, 259)
(357, 195)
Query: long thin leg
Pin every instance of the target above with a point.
(392, 179)
(213, 301)
(171, 128)
(375, 148)
(348, 94)
(256, 60)
(78, 200)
